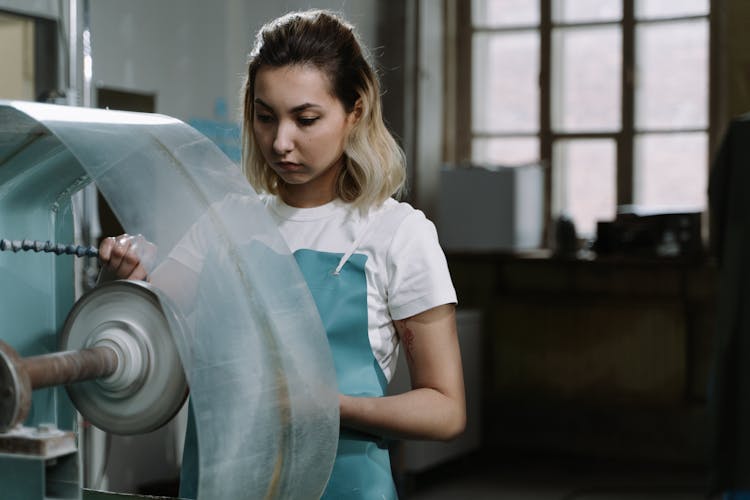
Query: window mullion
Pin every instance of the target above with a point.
(463, 84)
(545, 107)
(625, 167)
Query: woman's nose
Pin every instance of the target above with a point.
(283, 142)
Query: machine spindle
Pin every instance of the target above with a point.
(19, 376)
(63, 368)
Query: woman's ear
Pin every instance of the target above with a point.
(354, 116)
(358, 110)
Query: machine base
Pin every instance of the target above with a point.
(39, 464)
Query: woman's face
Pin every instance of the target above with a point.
(301, 129)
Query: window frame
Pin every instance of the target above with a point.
(458, 68)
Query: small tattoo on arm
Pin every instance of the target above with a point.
(407, 338)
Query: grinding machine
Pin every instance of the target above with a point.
(242, 332)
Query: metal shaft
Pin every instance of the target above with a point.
(20, 376)
(63, 368)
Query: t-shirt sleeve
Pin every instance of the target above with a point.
(203, 236)
(418, 272)
(192, 248)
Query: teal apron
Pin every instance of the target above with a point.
(362, 467)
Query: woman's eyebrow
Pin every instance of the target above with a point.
(296, 109)
(260, 101)
(303, 107)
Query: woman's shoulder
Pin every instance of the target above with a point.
(394, 220)
(399, 212)
(391, 207)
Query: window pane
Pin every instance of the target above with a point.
(585, 182)
(577, 11)
(17, 56)
(672, 75)
(586, 79)
(504, 13)
(505, 93)
(651, 9)
(505, 151)
(671, 171)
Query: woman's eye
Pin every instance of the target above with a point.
(263, 118)
(306, 121)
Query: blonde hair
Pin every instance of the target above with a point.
(374, 164)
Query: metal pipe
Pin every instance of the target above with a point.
(63, 368)
(73, 91)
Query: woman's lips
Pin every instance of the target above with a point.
(289, 166)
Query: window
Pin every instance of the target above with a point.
(611, 94)
(28, 50)
(17, 50)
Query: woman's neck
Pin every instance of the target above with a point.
(300, 198)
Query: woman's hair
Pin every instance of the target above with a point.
(374, 164)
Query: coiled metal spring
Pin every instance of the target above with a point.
(47, 246)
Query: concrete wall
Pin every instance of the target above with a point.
(190, 53)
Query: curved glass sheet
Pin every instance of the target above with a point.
(252, 344)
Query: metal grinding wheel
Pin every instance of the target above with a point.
(148, 388)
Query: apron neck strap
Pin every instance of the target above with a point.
(388, 220)
(353, 247)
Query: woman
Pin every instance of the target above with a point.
(316, 148)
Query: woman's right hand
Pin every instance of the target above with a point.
(126, 256)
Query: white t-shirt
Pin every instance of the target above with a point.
(406, 270)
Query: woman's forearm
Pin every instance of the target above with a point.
(422, 413)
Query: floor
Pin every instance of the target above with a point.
(525, 477)
(554, 478)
